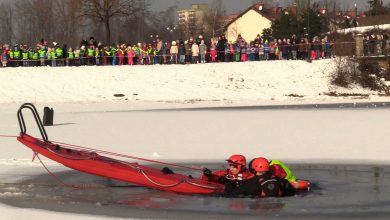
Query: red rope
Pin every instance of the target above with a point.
(76, 147)
(54, 176)
(124, 156)
(62, 182)
(8, 136)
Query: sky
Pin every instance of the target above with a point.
(240, 5)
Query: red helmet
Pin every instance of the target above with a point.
(260, 164)
(238, 160)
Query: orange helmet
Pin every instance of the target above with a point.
(238, 160)
(260, 164)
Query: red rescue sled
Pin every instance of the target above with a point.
(88, 161)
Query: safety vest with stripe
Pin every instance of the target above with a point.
(25, 55)
(42, 54)
(90, 52)
(71, 55)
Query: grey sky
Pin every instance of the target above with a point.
(241, 5)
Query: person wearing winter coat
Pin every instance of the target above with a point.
(182, 52)
(77, 61)
(221, 48)
(70, 57)
(252, 52)
(142, 53)
(227, 52)
(91, 55)
(4, 57)
(121, 54)
(195, 53)
(243, 53)
(98, 56)
(159, 51)
(163, 53)
(266, 50)
(261, 52)
(136, 53)
(174, 51)
(188, 47)
(130, 55)
(213, 52)
(303, 48)
(202, 51)
(51, 56)
(237, 52)
(294, 49)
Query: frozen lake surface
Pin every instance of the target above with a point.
(344, 152)
(342, 191)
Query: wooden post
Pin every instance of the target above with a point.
(359, 49)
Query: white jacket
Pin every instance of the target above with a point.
(195, 50)
(174, 49)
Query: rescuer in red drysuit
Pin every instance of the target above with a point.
(235, 174)
(264, 183)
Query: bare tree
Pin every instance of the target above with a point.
(6, 30)
(33, 18)
(68, 24)
(104, 11)
(164, 23)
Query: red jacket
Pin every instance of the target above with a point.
(221, 176)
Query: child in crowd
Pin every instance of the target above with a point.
(261, 52)
(4, 57)
(243, 53)
(120, 55)
(202, 51)
(237, 52)
(213, 52)
(130, 55)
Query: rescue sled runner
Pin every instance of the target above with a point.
(93, 162)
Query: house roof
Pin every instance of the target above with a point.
(256, 9)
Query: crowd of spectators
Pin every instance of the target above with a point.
(191, 51)
(376, 44)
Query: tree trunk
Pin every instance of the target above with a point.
(108, 32)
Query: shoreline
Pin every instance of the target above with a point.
(117, 106)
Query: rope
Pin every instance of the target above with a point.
(83, 186)
(159, 184)
(76, 147)
(8, 136)
(167, 185)
(54, 176)
(72, 158)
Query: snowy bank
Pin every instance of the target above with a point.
(249, 82)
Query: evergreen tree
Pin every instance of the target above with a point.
(313, 23)
(267, 34)
(310, 23)
(376, 7)
(285, 26)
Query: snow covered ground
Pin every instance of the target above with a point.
(93, 108)
(249, 82)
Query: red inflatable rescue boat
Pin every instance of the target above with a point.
(93, 162)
